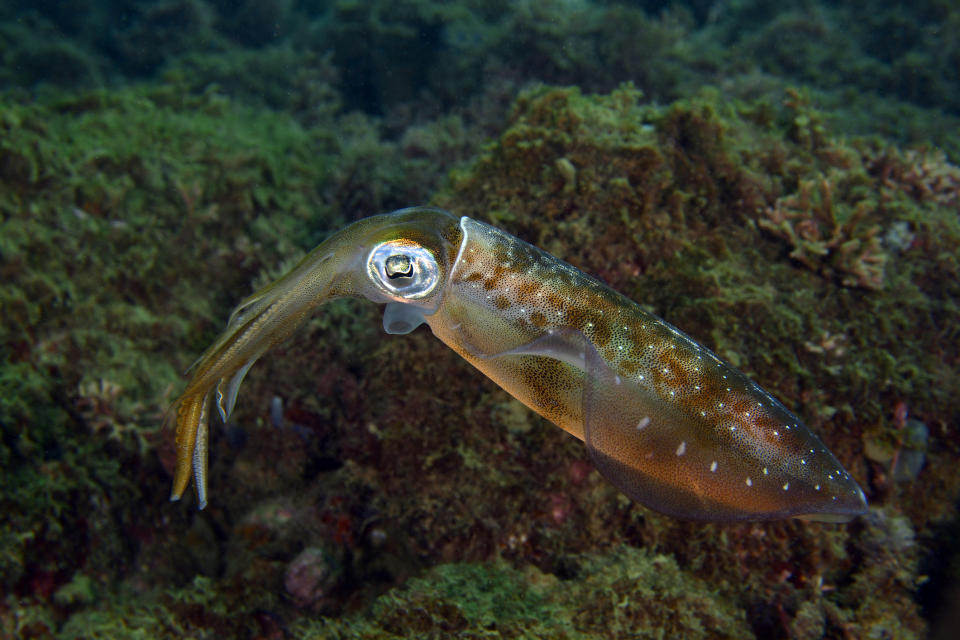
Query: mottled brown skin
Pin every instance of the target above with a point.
(715, 446)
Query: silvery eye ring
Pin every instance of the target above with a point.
(404, 269)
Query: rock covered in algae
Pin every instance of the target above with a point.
(747, 224)
(628, 593)
(311, 576)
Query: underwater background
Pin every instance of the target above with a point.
(778, 179)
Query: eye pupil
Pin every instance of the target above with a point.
(398, 266)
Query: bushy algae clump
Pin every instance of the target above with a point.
(624, 594)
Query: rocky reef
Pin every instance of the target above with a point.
(376, 486)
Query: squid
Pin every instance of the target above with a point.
(663, 418)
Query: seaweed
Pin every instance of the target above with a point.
(109, 201)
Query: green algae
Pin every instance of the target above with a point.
(109, 201)
(198, 610)
(626, 593)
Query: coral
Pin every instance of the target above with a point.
(828, 241)
(925, 176)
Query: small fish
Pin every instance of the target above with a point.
(664, 419)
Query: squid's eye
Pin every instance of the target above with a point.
(403, 269)
(398, 266)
